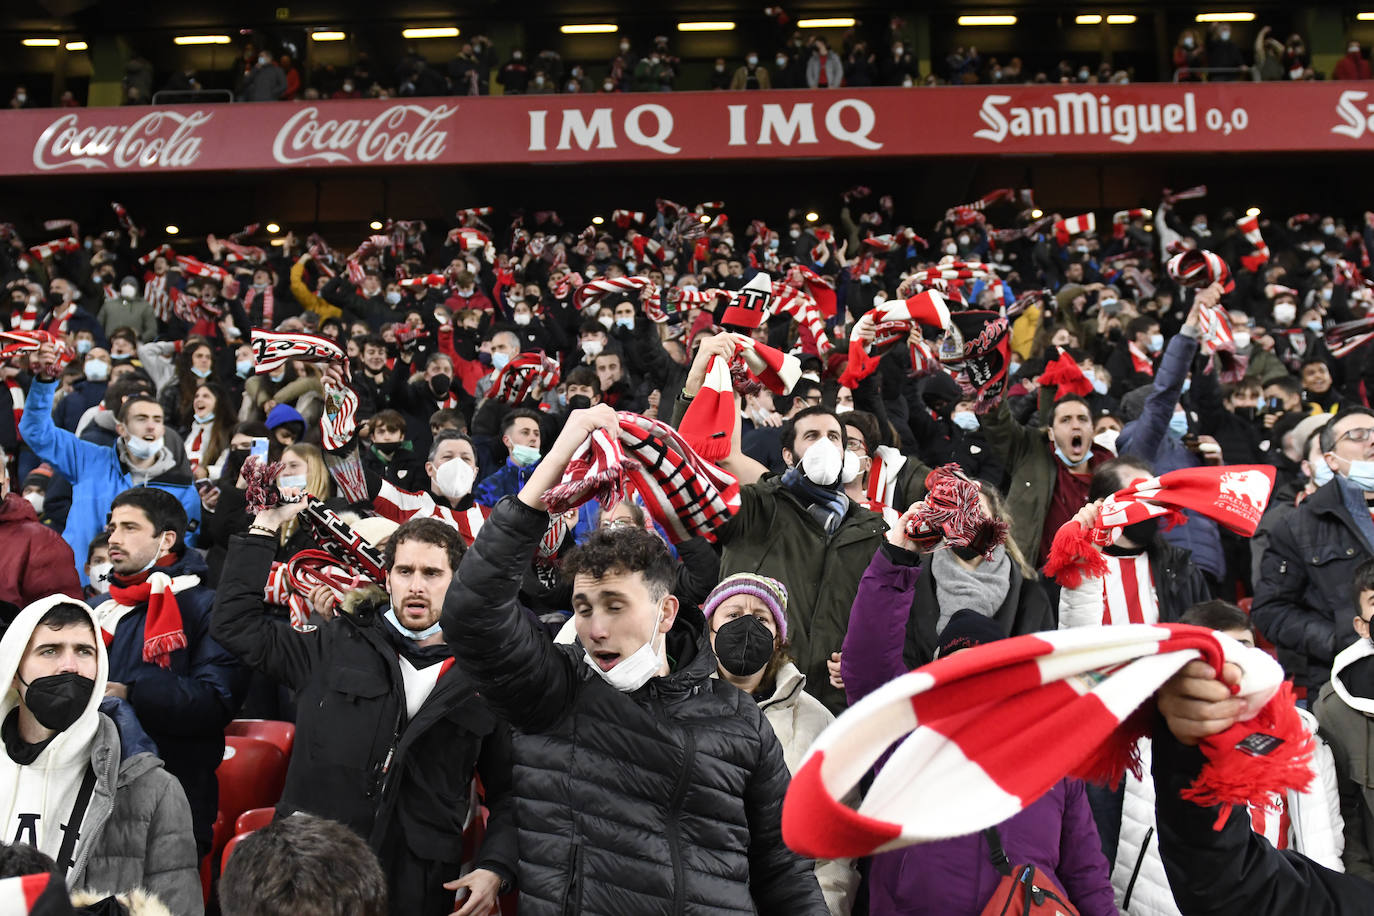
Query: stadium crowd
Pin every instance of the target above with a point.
(561, 546)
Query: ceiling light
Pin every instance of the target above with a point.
(1225, 17)
(705, 26)
(1365, 17)
(1253, 211)
(705, 218)
(447, 31)
(1088, 19)
(171, 230)
(76, 46)
(597, 220)
(375, 225)
(279, 243)
(987, 20)
(41, 42)
(1036, 214)
(812, 216)
(589, 28)
(201, 40)
(1121, 19)
(273, 228)
(324, 35)
(834, 22)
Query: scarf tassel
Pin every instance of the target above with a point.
(158, 649)
(583, 483)
(861, 365)
(1073, 557)
(1255, 759)
(1119, 753)
(1068, 375)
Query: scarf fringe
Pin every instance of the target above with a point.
(1119, 753)
(1234, 777)
(607, 486)
(158, 649)
(1068, 375)
(1073, 557)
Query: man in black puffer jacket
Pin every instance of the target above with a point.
(643, 785)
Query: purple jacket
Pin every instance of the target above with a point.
(954, 877)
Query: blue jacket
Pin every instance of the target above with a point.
(96, 473)
(83, 396)
(1148, 437)
(184, 707)
(505, 481)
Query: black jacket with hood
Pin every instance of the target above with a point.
(665, 800)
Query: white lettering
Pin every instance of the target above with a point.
(537, 119)
(799, 124)
(1355, 120)
(834, 123)
(384, 138)
(657, 141)
(737, 125)
(991, 115)
(157, 139)
(599, 128)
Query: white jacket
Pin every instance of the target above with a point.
(1316, 831)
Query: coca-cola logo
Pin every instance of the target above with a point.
(402, 133)
(159, 139)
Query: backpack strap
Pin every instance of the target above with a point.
(996, 854)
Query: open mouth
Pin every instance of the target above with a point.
(606, 660)
(1076, 442)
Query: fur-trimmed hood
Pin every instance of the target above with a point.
(138, 902)
(362, 604)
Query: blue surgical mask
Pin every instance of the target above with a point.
(1099, 386)
(200, 373)
(966, 420)
(1156, 343)
(416, 635)
(244, 368)
(524, 455)
(1059, 453)
(84, 346)
(96, 370)
(1322, 473)
(1187, 383)
(208, 418)
(1178, 424)
(499, 360)
(290, 481)
(1361, 474)
(628, 322)
(1315, 326)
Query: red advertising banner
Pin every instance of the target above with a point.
(694, 126)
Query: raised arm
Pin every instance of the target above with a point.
(744, 468)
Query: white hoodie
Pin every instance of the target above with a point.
(37, 799)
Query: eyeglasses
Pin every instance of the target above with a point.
(1358, 434)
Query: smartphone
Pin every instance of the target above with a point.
(259, 449)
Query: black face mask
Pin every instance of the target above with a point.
(744, 645)
(579, 402)
(438, 385)
(1142, 533)
(966, 553)
(58, 700)
(1249, 414)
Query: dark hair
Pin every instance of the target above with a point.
(130, 401)
(591, 326)
(161, 508)
(100, 540)
(65, 614)
(18, 859)
(1313, 361)
(789, 428)
(867, 424)
(426, 531)
(1364, 581)
(1140, 325)
(626, 550)
(389, 419)
(124, 332)
(448, 435)
(125, 386)
(1071, 399)
(446, 415)
(303, 866)
(519, 413)
(373, 340)
(1328, 439)
(255, 428)
(1218, 615)
(585, 375)
(1286, 383)
(1230, 389)
(1108, 477)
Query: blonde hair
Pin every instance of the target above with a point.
(318, 483)
(998, 505)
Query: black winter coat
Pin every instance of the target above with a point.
(357, 759)
(1304, 598)
(667, 800)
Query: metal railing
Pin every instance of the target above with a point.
(191, 96)
(1249, 73)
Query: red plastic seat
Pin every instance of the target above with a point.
(254, 819)
(229, 849)
(280, 734)
(251, 775)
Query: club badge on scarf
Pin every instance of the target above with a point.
(967, 761)
(1233, 496)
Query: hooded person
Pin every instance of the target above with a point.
(79, 780)
(746, 619)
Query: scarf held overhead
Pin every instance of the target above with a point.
(967, 761)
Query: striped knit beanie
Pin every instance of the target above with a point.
(770, 591)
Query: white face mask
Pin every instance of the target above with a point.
(635, 671)
(607, 321)
(823, 463)
(1242, 339)
(850, 470)
(951, 248)
(141, 449)
(100, 577)
(36, 500)
(128, 291)
(454, 479)
(591, 347)
(1285, 312)
(522, 318)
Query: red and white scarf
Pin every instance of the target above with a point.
(155, 291)
(402, 505)
(1234, 496)
(289, 584)
(272, 350)
(51, 249)
(163, 633)
(26, 319)
(269, 302)
(894, 320)
(1066, 229)
(514, 381)
(1250, 226)
(967, 760)
(592, 292)
(1140, 360)
(687, 496)
(710, 418)
(194, 267)
(1198, 268)
(1122, 218)
(16, 343)
(1064, 372)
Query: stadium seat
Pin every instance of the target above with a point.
(229, 849)
(250, 776)
(254, 819)
(280, 734)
